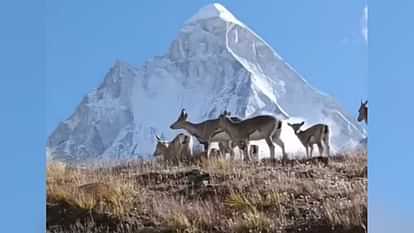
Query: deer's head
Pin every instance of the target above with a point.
(178, 124)
(363, 111)
(161, 148)
(296, 126)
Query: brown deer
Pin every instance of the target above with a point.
(256, 128)
(317, 134)
(206, 132)
(176, 151)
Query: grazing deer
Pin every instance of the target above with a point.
(175, 151)
(317, 134)
(203, 131)
(363, 112)
(256, 128)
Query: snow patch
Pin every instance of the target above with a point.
(213, 11)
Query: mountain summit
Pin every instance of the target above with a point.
(215, 64)
(214, 10)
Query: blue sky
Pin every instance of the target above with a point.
(391, 83)
(51, 56)
(322, 39)
(22, 118)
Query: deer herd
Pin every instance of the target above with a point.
(231, 132)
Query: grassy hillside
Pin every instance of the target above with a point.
(214, 196)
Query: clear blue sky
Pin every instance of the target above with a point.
(391, 85)
(320, 39)
(22, 116)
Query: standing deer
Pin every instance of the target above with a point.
(203, 131)
(317, 134)
(176, 151)
(363, 112)
(256, 128)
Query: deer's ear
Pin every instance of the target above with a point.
(158, 138)
(183, 114)
(366, 102)
(302, 123)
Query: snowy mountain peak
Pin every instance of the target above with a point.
(214, 10)
(216, 63)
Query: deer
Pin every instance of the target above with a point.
(317, 134)
(176, 151)
(255, 128)
(363, 112)
(206, 132)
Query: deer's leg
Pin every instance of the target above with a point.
(222, 149)
(244, 146)
(208, 151)
(311, 150)
(206, 146)
(328, 152)
(250, 152)
(230, 150)
(269, 142)
(243, 151)
(246, 150)
(232, 146)
(320, 148)
(307, 151)
(280, 143)
(227, 150)
(254, 152)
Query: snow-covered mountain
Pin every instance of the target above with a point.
(216, 63)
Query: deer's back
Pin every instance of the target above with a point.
(259, 121)
(207, 128)
(322, 128)
(317, 131)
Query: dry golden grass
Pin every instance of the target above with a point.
(214, 196)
